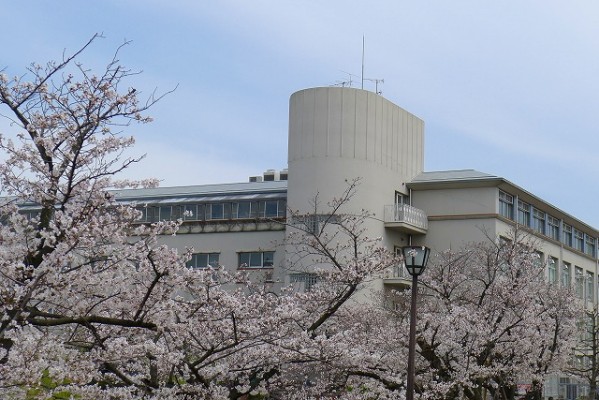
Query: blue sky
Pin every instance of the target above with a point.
(509, 88)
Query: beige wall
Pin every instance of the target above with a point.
(462, 201)
(228, 244)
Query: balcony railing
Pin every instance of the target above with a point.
(407, 218)
(397, 275)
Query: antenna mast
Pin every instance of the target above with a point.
(362, 62)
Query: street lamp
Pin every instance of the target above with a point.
(415, 259)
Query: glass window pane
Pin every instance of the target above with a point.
(143, 216)
(565, 275)
(244, 259)
(152, 213)
(216, 211)
(190, 212)
(269, 258)
(282, 208)
(177, 212)
(271, 209)
(552, 270)
(213, 260)
(243, 209)
(165, 213)
(254, 209)
(578, 282)
(255, 260)
(226, 210)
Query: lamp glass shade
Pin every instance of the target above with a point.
(415, 259)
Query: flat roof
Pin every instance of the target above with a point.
(469, 178)
(213, 190)
(452, 175)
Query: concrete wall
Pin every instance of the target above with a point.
(462, 201)
(228, 244)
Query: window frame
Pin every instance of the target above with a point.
(506, 205)
(539, 219)
(524, 213)
(566, 275)
(579, 282)
(553, 225)
(552, 263)
(589, 286)
(567, 235)
(211, 258)
(578, 241)
(265, 259)
(589, 245)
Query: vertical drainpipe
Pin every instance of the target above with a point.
(410, 204)
(596, 278)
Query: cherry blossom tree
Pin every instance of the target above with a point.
(92, 305)
(585, 364)
(488, 320)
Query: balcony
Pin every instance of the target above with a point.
(397, 276)
(405, 218)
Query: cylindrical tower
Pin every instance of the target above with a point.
(338, 134)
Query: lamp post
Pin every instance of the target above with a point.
(415, 259)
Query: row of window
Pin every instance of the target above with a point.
(214, 211)
(546, 224)
(246, 259)
(584, 281)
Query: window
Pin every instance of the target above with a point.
(566, 275)
(144, 215)
(590, 286)
(218, 211)
(306, 278)
(538, 259)
(578, 282)
(553, 227)
(165, 213)
(589, 247)
(242, 209)
(506, 205)
(271, 209)
(552, 270)
(538, 220)
(578, 240)
(215, 211)
(152, 214)
(258, 259)
(177, 212)
(186, 212)
(523, 213)
(203, 260)
(193, 212)
(567, 235)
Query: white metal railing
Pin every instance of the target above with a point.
(406, 214)
(398, 271)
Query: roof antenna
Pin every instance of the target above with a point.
(376, 84)
(362, 62)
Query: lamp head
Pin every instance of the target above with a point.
(415, 258)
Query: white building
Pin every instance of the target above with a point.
(338, 134)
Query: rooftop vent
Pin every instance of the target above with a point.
(284, 175)
(271, 175)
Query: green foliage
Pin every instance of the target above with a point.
(47, 389)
